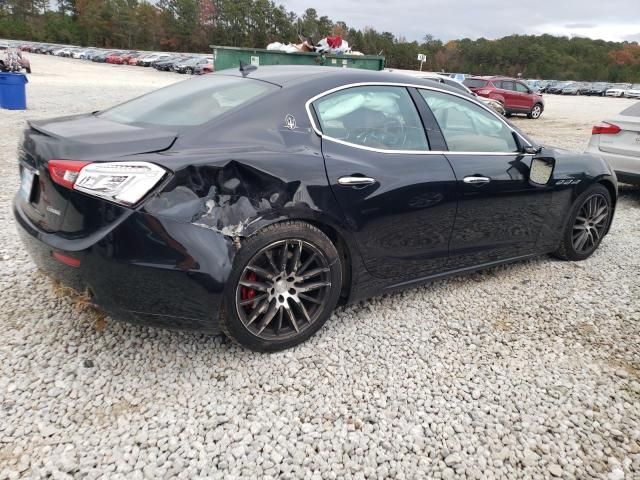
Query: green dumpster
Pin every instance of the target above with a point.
(229, 57)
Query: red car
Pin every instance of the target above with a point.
(514, 95)
(112, 58)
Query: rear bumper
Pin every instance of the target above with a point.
(145, 270)
(625, 166)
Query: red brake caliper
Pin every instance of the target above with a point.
(247, 293)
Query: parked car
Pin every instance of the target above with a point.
(597, 89)
(203, 68)
(148, 60)
(556, 89)
(634, 91)
(166, 64)
(101, 57)
(176, 226)
(189, 65)
(573, 89)
(618, 90)
(617, 140)
(546, 84)
(513, 94)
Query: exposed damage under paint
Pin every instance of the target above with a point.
(240, 199)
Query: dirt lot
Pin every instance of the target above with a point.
(525, 371)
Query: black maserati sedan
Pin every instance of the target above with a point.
(252, 202)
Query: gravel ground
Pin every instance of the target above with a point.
(525, 371)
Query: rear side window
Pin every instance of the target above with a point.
(506, 85)
(372, 116)
(467, 127)
(474, 83)
(189, 103)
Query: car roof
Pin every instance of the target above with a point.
(289, 75)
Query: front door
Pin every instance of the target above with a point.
(398, 198)
(500, 214)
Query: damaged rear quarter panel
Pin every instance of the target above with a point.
(247, 172)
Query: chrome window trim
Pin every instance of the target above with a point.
(317, 130)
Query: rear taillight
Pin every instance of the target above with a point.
(605, 128)
(65, 172)
(125, 183)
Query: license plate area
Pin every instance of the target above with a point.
(27, 179)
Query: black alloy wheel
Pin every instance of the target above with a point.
(285, 283)
(590, 223)
(587, 224)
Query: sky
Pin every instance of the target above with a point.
(614, 20)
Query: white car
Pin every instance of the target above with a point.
(634, 91)
(618, 90)
(617, 140)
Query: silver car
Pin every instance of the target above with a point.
(617, 140)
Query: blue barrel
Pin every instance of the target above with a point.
(12, 91)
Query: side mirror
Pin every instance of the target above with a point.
(541, 171)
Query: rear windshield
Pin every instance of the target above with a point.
(632, 111)
(474, 83)
(189, 103)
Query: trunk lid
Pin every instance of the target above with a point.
(53, 207)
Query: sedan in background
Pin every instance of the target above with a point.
(598, 88)
(189, 65)
(573, 89)
(556, 88)
(203, 68)
(618, 90)
(617, 140)
(634, 91)
(188, 207)
(150, 59)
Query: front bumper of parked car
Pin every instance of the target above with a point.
(141, 269)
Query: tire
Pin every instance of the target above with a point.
(570, 246)
(189, 71)
(535, 112)
(275, 320)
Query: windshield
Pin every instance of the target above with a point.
(189, 103)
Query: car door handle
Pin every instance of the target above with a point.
(356, 181)
(476, 180)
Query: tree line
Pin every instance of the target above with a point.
(193, 25)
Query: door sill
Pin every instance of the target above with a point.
(458, 271)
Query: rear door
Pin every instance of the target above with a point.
(397, 197)
(499, 214)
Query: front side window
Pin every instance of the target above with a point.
(381, 117)
(189, 103)
(521, 88)
(467, 127)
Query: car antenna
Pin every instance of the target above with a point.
(245, 68)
